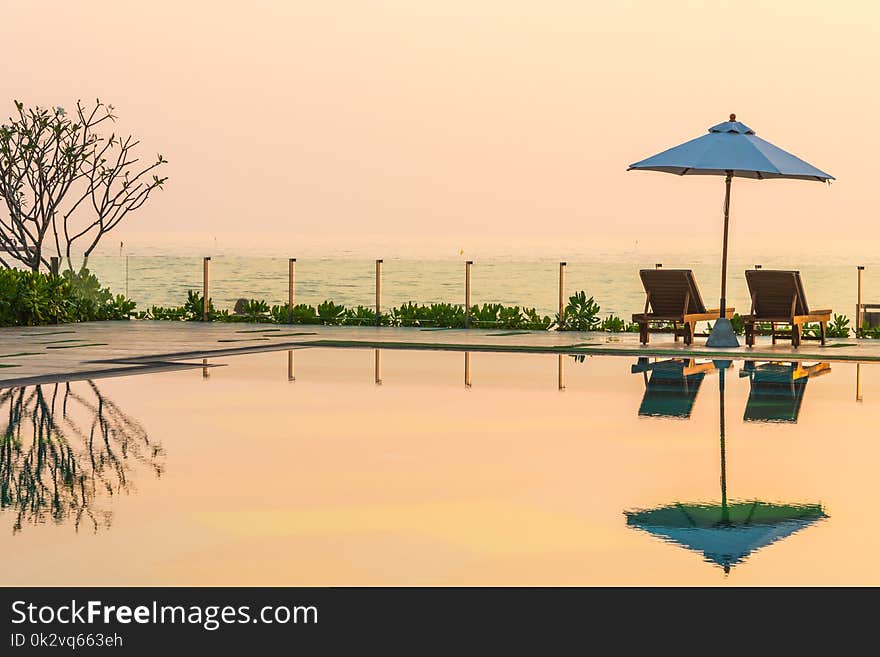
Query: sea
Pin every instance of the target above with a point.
(349, 277)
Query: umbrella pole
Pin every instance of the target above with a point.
(727, 182)
(723, 334)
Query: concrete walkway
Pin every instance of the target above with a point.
(98, 349)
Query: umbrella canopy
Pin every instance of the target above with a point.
(725, 541)
(730, 149)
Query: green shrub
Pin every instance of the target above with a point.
(871, 332)
(442, 315)
(435, 315)
(33, 298)
(510, 317)
(535, 322)
(330, 313)
(838, 327)
(190, 311)
(305, 314)
(406, 315)
(581, 314)
(614, 324)
(159, 313)
(253, 310)
(364, 316)
(486, 316)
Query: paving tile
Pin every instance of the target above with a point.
(126, 347)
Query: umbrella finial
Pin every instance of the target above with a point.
(733, 117)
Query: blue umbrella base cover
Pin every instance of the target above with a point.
(722, 334)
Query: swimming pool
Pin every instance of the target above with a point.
(364, 467)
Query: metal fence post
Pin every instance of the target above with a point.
(861, 268)
(291, 288)
(467, 293)
(379, 292)
(561, 294)
(206, 263)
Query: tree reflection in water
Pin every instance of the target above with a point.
(65, 449)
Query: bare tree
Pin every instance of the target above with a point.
(60, 177)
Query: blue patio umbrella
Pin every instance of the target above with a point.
(730, 149)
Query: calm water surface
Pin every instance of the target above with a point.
(335, 467)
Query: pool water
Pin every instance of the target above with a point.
(358, 467)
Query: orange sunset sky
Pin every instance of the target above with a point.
(439, 125)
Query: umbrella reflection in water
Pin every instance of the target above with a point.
(725, 532)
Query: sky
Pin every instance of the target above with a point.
(436, 126)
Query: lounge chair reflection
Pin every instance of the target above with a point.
(776, 390)
(671, 386)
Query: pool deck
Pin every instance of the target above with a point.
(46, 354)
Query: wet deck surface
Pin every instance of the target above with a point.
(101, 349)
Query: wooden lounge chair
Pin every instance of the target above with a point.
(673, 296)
(778, 298)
